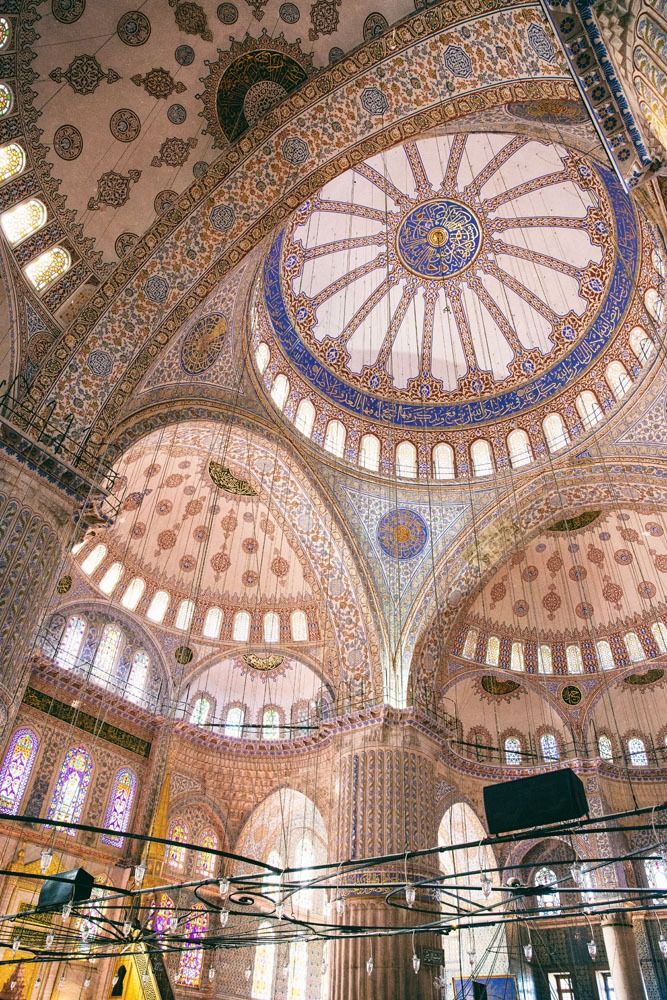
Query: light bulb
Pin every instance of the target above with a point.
(139, 873)
(173, 923)
(50, 938)
(224, 886)
(16, 944)
(487, 886)
(577, 872)
(67, 910)
(416, 962)
(340, 906)
(248, 973)
(86, 983)
(224, 917)
(592, 949)
(472, 957)
(127, 927)
(211, 974)
(662, 944)
(45, 859)
(528, 951)
(369, 966)
(410, 895)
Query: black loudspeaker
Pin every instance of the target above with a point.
(65, 887)
(479, 991)
(546, 798)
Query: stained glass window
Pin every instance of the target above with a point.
(71, 787)
(241, 627)
(12, 159)
(262, 973)
(335, 437)
(190, 965)
(280, 391)
(443, 461)
(605, 655)
(659, 633)
(48, 267)
(518, 446)
(271, 724)
(299, 626)
(93, 559)
(512, 750)
(185, 614)
(637, 751)
(588, 408)
(16, 768)
(493, 651)
(369, 452)
(109, 581)
(23, 219)
(304, 420)
(262, 357)
(133, 593)
(234, 721)
(481, 458)
(136, 682)
(555, 432)
(551, 900)
(5, 32)
(158, 606)
(516, 656)
(575, 663)
(6, 100)
(271, 627)
(212, 623)
(70, 644)
(549, 747)
(163, 915)
(634, 647)
(297, 980)
(470, 645)
(119, 808)
(406, 460)
(107, 651)
(544, 660)
(605, 748)
(205, 861)
(200, 711)
(174, 855)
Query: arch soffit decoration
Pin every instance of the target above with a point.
(233, 652)
(247, 844)
(186, 804)
(127, 301)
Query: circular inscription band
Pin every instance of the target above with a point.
(438, 239)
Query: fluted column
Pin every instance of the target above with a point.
(386, 806)
(36, 522)
(619, 942)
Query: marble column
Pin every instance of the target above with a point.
(619, 942)
(385, 806)
(36, 523)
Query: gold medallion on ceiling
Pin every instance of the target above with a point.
(492, 685)
(183, 655)
(571, 695)
(64, 584)
(224, 478)
(263, 663)
(649, 677)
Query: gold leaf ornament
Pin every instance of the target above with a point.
(224, 478)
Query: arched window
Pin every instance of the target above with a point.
(544, 659)
(634, 647)
(12, 161)
(518, 446)
(604, 655)
(262, 357)
(234, 721)
(443, 461)
(23, 219)
(76, 548)
(406, 460)
(184, 615)
(201, 710)
(70, 643)
(605, 748)
(588, 408)
(71, 786)
(299, 626)
(369, 452)
(212, 623)
(93, 559)
(618, 379)
(111, 578)
(297, 978)
(493, 651)
(205, 860)
(656, 875)
(271, 724)
(654, 305)
(549, 747)
(470, 645)
(135, 689)
(659, 633)
(642, 345)
(262, 972)
(271, 627)
(5, 35)
(161, 920)
(241, 627)
(335, 437)
(48, 267)
(174, 855)
(516, 657)
(133, 593)
(575, 663)
(551, 900)
(119, 807)
(637, 752)
(304, 858)
(107, 652)
(16, 768)
(512, 750)
(192, 958)
(555, 432)
(158, 606)
(481, 458)
(6, 100)
(280, 391)
(304, 420)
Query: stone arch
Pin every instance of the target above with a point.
(299, 814)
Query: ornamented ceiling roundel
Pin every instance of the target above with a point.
(453, 280)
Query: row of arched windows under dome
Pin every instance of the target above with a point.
(272, 629)
(70, 788)
(635, 753)
(269, 722)
(555, 430)
(571, 658)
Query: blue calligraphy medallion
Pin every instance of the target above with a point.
(402, 533)
(438, 238)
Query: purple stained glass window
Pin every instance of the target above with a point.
(190, 966)
(175, 856)
(163, 915)
(71, 786)
(119, 808)
(16, 769)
